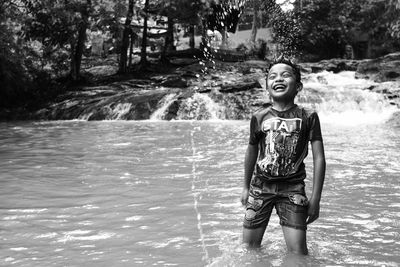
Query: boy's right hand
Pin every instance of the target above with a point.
(245, 196)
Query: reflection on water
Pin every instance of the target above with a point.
(167, 194)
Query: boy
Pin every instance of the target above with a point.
(274, 169)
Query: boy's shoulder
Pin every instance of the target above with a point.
(307, 111)
(262, 111)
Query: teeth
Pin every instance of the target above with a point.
(279, 87)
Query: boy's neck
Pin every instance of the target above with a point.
(282, 106)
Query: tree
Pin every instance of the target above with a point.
(61, 26)
(143, 54)
(393, 15)
(327, 26)
(185, 12)
(256, 20)
(13, 72)
(324, 26)
(125, 38)
(78, 44)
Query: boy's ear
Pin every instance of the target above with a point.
(299, 87)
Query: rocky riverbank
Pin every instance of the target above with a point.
(185, 92)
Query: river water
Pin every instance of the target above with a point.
(155, 193)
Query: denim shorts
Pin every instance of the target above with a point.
(289, 200)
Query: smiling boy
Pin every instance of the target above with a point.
(274, 168)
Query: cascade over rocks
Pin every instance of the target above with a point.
(236, 88)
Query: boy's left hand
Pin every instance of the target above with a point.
(313, 211)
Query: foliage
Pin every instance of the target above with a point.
(13, 73)
(56, 25)
(328, 25)
(393, 17)
(320, 32)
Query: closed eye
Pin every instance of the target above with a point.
(287, 75)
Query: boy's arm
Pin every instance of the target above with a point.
(318, 180)
(249, 163)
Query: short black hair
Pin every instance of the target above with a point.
(284, 60)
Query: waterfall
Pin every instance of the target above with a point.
(339, 98)
(342, 99)
(200, 107)
(118, 112)
(196, 107)
(164, 104)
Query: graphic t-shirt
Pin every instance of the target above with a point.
(282, 138)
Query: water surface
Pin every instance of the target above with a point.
(152, 193)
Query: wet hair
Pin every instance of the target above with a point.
(284, 60)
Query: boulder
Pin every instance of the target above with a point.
(386, 68)
(240, 86)
(390, 89)
(174, 81)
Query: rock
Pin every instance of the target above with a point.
(105, 70)
(183, 61)
(394, 121)
(229, 55)
(174, 81)
(335, 65)
(390, 89)
(386, 68)
(240, 86)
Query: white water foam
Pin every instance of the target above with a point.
(200, 106)
(165, 102)
(342, 99)
(120, 110)
(85, 117)
(197, 107)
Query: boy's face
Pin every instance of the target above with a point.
(281, 83)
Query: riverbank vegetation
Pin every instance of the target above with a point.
(44, 44)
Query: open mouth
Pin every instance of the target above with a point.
(279, 87)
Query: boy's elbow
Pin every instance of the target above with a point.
(252, 148)
(252, 151)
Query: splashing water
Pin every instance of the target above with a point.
(196, 196)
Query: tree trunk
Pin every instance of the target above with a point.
(205, 41)
(125, 39)
(169, 40)
(133, 35)
(191, 37)
(224, 38)
(255, 22)
(143, 53)
(77, 51)
(170, 35)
